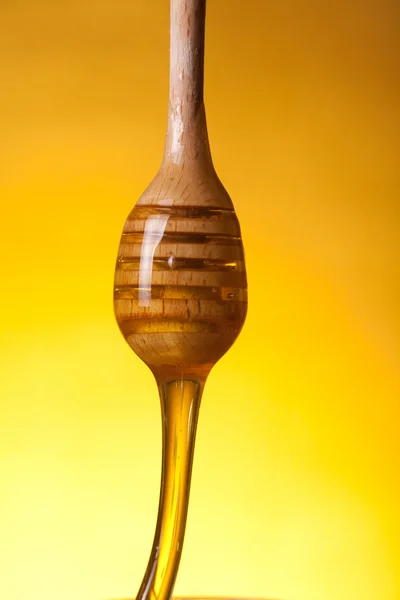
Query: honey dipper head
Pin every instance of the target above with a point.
(180, 292)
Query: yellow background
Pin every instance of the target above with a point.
(295, 489)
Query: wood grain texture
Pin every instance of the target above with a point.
(180, 291)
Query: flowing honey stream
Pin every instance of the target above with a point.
(180, 291)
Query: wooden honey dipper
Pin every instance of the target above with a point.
(180, 293)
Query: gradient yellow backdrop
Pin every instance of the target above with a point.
(295, 490)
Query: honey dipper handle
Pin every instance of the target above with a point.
(187, 52)
(186, 118)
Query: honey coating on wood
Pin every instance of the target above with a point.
(180, 290)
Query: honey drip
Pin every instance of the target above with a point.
(180, 403)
